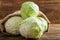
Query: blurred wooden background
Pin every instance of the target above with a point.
(50, 7)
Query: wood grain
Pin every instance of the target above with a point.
(52, 34)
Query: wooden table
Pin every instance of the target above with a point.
(52, 34)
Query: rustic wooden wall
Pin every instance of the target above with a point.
(50, 7)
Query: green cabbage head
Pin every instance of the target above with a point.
(29, 9)
(12, 25)
(32, 28)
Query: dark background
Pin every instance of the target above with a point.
(50, 7)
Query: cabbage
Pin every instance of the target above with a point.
(31, 28)
(12, 25)
(29, 9)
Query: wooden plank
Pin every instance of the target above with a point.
(52, 34)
